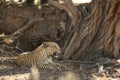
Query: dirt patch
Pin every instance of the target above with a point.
(70, 70)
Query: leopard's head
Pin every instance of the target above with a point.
(52, 48)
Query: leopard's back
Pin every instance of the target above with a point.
(25, 60)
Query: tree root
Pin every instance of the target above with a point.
(69, 8)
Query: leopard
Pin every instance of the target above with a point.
(40, 57)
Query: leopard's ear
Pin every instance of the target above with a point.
(45, 45)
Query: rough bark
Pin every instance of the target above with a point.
(97, 31)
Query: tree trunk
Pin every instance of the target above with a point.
(96, 34)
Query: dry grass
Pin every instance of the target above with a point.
(25, 76)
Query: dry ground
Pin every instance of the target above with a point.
(104, 69)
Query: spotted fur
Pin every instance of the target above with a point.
(40, 56)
